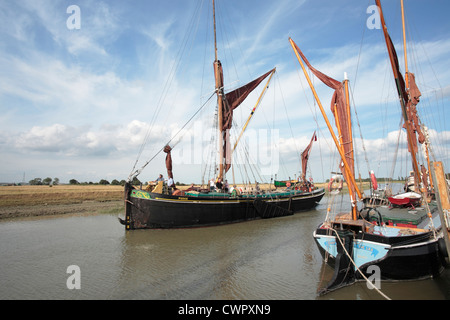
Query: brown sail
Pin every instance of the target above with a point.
(408, 99)
(338, 107)
(168, 149)
(231, 101)
(305, 156)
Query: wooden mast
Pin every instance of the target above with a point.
(351, 154)
(219, 92)
(340, 150)
(396, 72)
(404, 46)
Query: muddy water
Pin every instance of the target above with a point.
(274, 259)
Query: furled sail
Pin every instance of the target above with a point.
(413, 99)
(410, 98)
(408, 95)
(168, 149)
(305, 156)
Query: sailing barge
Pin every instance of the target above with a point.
(353, 244)
(194, 209)
(161, 209)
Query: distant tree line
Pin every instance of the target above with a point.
(114, 182)
(55, 181)
(47, 181)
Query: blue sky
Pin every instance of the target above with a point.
(78, 103)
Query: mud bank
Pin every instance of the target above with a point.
(85, 207)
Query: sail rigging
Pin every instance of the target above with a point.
(342, 118)
(227, 103)
(408, 96)
(400, 252)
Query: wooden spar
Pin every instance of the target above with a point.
(429, 165)
(347, 101)
(442, 198)
(219, 91)
(417, 179)
(345, 173)
(254, 109)
(341, 152)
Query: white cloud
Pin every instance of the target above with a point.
(79, 95)
(70, 141)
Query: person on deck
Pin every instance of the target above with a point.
(258, 189)
(226, 186)
(170, 185)
(219, 184)
(160, 178)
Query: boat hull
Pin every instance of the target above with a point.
(398, 258)
(146, 210)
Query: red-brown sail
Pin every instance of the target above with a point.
(407, 103)
(413, 99)
(305, 156)
(234, 98)
(338, 107)
(230, 102)
(168, 149)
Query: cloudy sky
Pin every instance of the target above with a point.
(84, 83)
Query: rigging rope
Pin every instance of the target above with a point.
(167, 85)
(137, 172)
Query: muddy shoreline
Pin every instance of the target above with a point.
(85, 207)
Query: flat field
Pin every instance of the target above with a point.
(24, 201)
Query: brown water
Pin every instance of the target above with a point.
(274, 259)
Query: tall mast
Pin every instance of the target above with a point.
(219, 92)
(399, 91)
(351, 155)
(405, 53)
(215, 36)
(404, 46)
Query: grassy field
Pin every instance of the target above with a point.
(69, 194)
(60, 194)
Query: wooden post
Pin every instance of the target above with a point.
(442, 197)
